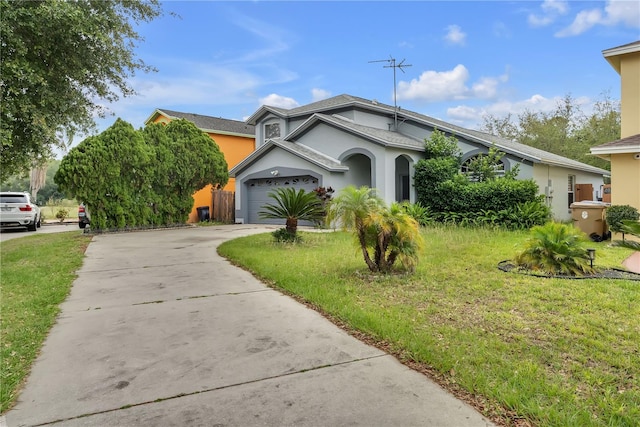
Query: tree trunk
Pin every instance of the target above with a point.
(363, 245)
(292, 225)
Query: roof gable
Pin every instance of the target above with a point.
(379, 136)
(298, 150)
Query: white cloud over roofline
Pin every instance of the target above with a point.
(275, 100)
(448, 85)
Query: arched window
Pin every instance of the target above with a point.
(479, 171)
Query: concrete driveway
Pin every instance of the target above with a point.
(161, 331)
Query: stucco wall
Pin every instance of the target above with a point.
(625, 180)
(630, 89)
(553, 182)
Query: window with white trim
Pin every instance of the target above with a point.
(272, 130)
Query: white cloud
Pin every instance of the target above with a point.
(583, 21)
(276, 100)
(319, 94)
(448, 85)
(551, 10)
(616, 12)
(455, 35)
(623, 11)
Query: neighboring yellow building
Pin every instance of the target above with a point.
(624, 154)
(236, 140)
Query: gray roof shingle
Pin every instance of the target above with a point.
(209, 123)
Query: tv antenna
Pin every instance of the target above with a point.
(392, 64)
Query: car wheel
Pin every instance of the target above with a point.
(33, 226)
(39, 223)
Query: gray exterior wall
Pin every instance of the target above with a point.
(380, 166)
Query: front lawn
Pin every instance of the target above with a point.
(37, 273)
(548, 352)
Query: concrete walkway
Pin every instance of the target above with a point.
(161, 331)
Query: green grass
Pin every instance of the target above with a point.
(36, 275)
(52, 207)
(553, 352)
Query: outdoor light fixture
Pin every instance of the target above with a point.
(592, 255)
(275, 172)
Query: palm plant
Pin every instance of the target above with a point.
(350, 209)
(394, 235)
(390, 233)
(555, 248)
(293, 206)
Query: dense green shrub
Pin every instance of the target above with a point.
(462, 196)
(555, 248)
(522, 216)
(130, 178)
(439, 145)
(282, 235)
(430, 172)
(616, 214)
(62, 214)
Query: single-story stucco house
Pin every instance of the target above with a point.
(347, 140)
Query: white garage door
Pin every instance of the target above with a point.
(258, 190)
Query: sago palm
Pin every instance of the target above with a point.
(293, 206)
(555, 248)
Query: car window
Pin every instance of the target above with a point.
(5, 198)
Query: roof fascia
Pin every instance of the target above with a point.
(613, 55)
(155, 114)
(629, 149)
(263, 110)
(224, 132)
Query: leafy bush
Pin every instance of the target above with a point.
(62, 214)
(282, 235)
(441, 146)
(418, 212)
(616, 214)
(459, 196)
(555, 248)
(130, 178)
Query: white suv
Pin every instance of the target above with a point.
(17, 210)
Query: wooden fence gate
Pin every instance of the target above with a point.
(224, 206)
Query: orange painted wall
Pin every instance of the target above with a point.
(235, 149)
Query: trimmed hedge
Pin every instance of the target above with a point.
(459, 196)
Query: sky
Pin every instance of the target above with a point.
(461, 59)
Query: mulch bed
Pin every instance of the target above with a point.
(603, 273)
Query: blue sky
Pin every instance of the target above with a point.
(226, 59)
